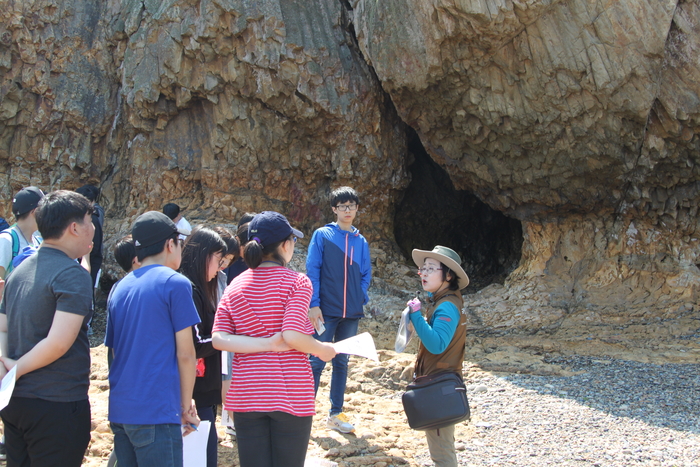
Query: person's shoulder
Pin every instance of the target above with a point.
(300, 279)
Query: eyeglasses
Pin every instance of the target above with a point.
(346, 207)
(428, 271)
(225, 261)
(295, 239)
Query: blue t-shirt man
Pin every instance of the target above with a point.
(146, 309)
(150, 313)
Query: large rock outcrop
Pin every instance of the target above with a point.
(578, 118)
(570, 125)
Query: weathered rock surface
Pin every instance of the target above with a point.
(578, 120)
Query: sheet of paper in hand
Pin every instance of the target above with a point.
(361, 344)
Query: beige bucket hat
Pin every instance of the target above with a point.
(446, 256)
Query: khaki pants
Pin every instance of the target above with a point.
(441, 444)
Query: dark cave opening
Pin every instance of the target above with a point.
(432, 212)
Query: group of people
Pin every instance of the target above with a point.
(192, 298)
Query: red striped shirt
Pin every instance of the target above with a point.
(259, 303)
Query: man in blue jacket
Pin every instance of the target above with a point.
(339, 267)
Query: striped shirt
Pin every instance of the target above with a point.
(259, 303)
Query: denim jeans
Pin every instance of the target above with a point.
(148, 445)
(337, 329)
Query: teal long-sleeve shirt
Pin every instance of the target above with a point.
(437, 334)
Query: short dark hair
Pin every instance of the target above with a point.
(155, 249)
(452, 284)
(245, 218)
(242, 233)
(58, 209)
(171, 210)
(343, 195)
(91, 192)
(125, 252)
(232, 245)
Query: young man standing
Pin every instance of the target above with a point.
(23, 233)
(150, 313)
(340, 270)
(43, 332)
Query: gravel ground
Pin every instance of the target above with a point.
(611, 413)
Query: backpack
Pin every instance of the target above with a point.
(3, 224)
(15, 245)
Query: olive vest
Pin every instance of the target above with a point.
(453, 356)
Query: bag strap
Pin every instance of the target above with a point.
(15, 244)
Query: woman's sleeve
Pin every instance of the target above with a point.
(437, 337)
(202, 339)
(296, 308)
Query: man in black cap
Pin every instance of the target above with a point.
(24, 232)
(150, 313)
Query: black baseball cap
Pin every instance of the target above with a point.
(152, 227)
(26, 199)
(270, 227)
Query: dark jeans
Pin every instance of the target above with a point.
(41, 433)
(272, 439)
(209, 413)
(337, 329)
(148, 445)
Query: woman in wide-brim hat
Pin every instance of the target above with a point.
(442, 331)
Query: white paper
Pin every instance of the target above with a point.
(8, 385)
(194, 446)
(361, 344)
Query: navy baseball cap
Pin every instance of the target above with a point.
(152, 227)
(26, 199)
(270, 227)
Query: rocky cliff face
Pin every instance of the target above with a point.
(558, 136)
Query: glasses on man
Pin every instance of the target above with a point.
(428, 271)
(346, 207)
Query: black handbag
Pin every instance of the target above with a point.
(436, 401)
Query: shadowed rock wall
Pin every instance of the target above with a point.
(578, 118)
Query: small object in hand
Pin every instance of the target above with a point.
(414, 305)
(319, 327)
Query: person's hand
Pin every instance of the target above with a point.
(8, 363)
(3, 371)
(189, 420)
(316, 318)
(2, 286)
(326, 352)
(278, 344)
(414, 305)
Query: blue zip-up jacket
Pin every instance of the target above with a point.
(340, 270)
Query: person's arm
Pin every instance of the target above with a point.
(186, 365)
(64, 329)
(437, 337)
(307, 344)
(202, 340)
(314, 259)
(366, 271)
(245, 344)
(2, 273)
(3, 342)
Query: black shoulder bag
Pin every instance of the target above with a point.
(436, 401)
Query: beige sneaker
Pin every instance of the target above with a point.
(340, 423)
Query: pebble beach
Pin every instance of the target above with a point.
(609, 413)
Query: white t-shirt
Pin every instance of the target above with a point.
(184, 227)
(6, 245)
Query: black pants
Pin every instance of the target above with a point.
(272, 439)
(209, 413)
(41, 433)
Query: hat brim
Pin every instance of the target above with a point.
(297, 233)
(419, 257)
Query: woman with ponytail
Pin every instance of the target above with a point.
(271, 393)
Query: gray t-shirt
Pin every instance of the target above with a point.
(45, 282)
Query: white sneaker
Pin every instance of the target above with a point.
(340, 423)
